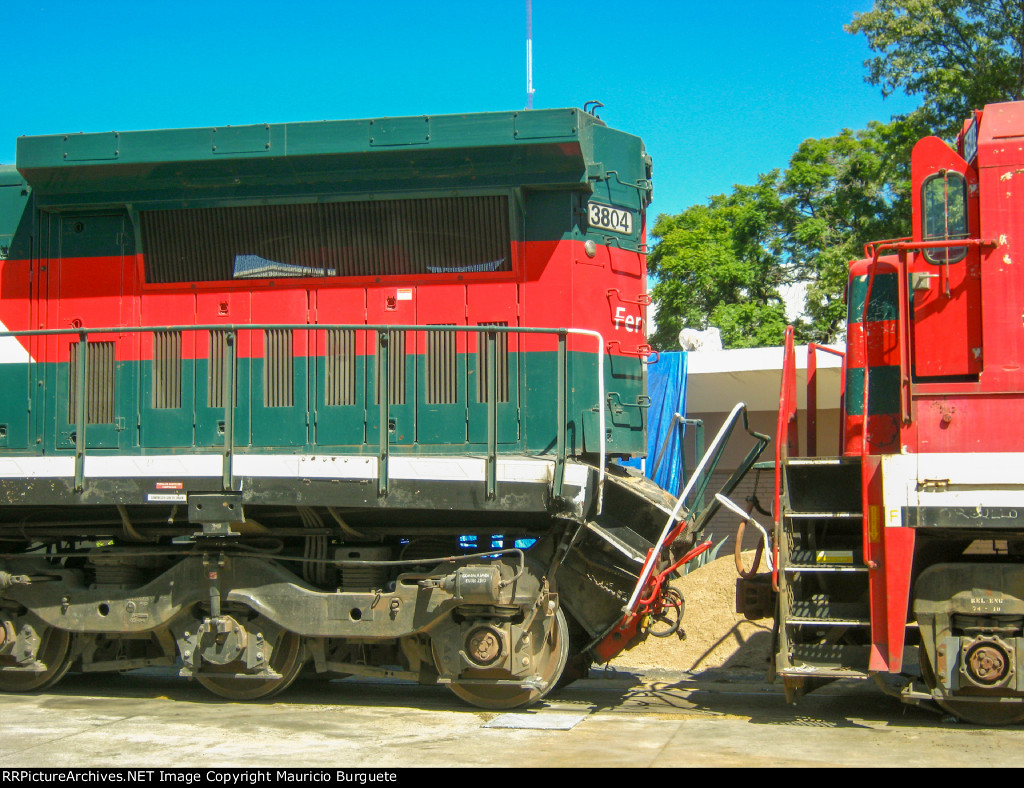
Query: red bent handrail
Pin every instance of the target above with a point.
(658, 580)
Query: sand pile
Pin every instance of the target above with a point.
(716, 636)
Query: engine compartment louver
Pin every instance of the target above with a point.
(99, 381)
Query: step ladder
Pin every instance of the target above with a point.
(824, 618)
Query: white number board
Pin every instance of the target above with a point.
(605, 217)
(971, 142)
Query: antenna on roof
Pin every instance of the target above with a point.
(529, 54)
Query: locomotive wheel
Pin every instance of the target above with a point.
(55, 652)
(287, 659)
(578, 664)
(549, 658)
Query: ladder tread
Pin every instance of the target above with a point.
(825, 561)
(827, 622)
(795, 568)
(813, 670)
(827, 658)
(841, 460)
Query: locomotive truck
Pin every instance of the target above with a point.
(901, 557)
(340, 396)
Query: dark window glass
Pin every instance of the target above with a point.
(381, 238)
(944, 208)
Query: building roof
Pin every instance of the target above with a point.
(717, 380)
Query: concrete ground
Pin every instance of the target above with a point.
(153, 719)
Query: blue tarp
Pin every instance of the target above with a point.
(666, 386)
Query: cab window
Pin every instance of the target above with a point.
(944, 208)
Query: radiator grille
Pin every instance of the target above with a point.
(340, 368)
(278, 369)
(441, 367)
(167, 369)
(396, 368)
(500, 364)
(370, 238)
(99, 384)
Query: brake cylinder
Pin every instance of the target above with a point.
(475, 584)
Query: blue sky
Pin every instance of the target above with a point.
(718, 91)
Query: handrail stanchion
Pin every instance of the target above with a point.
(492, 415)
(812, 400)
(229, 407)
(383, 400)
(563, 394)
(80, 410)
(903, 332)
(676, 418)
(812, 393)
(698, 451)
(601, 408)
(785, 432)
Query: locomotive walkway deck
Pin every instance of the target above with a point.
(609, 720)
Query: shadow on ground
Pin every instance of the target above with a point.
(726, 691)
(740, 693)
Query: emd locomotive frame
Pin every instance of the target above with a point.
(278, 375)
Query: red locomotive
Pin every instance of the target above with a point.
(903, 558)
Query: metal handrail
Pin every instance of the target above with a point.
(671, 529)
(869, 247)
(680, 420)
(812, 392)
(901, 248)
(642, 299)
(231, 330)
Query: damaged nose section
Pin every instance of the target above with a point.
(613, 578)
(602, 567)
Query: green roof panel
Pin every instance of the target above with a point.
(539, 148)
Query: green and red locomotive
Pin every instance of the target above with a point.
(341, 394)
(903, 557)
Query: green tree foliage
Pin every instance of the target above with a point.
(958, 55)
(726, 263)
(717, 264)
(839, 193)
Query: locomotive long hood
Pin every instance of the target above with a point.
(539, 149)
